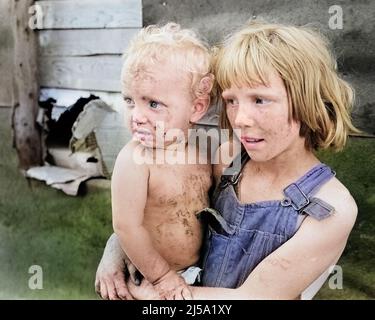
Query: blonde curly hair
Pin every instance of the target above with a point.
(180, 47)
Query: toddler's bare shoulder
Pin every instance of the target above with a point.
(131, 160)
(133, 153)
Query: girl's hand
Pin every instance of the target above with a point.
(110, 276)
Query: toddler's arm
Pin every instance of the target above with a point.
(129, 195)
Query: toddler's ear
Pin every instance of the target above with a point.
(200, 108)
(202, 103)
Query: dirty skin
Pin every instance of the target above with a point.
(171, 211)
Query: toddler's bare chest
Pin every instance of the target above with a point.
(180, 183)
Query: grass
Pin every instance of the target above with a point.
(42, 226)
(355, 169)
(66, 235)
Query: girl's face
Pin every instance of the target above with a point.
(261, 115)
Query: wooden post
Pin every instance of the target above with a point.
(27, 137)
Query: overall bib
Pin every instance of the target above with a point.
(240, 236)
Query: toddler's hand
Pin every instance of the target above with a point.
(144, 291)
(172, 287)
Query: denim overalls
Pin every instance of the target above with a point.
(241, 235)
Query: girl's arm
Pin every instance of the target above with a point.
(110, 277)
(289, 270)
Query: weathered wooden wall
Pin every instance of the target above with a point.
(354, 44)
(65, 47)
(81, 42)
(80, 46)
(26, 134)
(6, 54)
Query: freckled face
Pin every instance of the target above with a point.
(261, 115)
(157, 98)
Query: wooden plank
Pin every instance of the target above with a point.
(91, 14)
(67, 97)
(86, 73)
(26, 136)
(84, 42)
(6, 54)
(6, 71)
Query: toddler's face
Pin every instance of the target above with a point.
(261, 113)
(157, 99)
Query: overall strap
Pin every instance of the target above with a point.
(233, 173)
(299, 195)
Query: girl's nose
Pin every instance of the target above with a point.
(244, 117)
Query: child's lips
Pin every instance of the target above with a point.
(251, 139)
(251, 142)
(142, 134)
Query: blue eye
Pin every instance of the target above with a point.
(154, 104)
(129, 102)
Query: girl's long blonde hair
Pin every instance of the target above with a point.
(319, 99)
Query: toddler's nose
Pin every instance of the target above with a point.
(138, 118)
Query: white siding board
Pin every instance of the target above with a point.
(84, 42)
(100, 73)
(87, 14)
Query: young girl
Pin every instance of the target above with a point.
(286, 217)
(282, 220)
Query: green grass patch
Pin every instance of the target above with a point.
(355, 169)
(42, 226)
